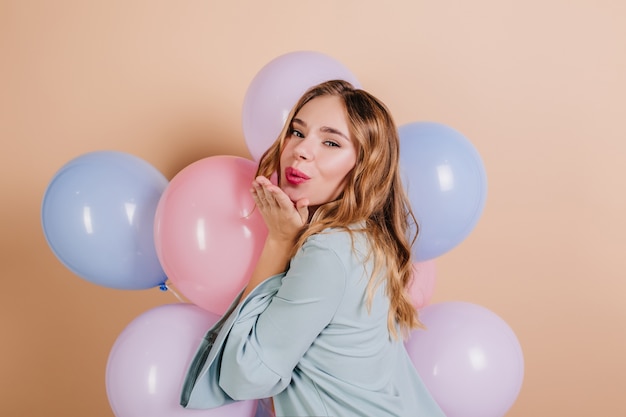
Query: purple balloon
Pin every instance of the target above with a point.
(149, 360)
(469, 358)
(277, 87)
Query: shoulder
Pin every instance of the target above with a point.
(344, 242)
(336, 236)
(322, 264)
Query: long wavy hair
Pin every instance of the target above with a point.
(373, 196)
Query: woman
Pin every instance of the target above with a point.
(319, 326)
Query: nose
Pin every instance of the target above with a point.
(303, 150)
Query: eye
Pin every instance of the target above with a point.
(331, 143)
(296, 133)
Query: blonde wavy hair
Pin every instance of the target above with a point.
(373, 195)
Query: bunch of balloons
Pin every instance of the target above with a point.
(114, 220)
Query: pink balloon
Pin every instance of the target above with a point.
(423, 284)
(208, 236)
(149, 360)
(469, 358)
(277, 87)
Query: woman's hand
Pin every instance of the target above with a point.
(283, 218)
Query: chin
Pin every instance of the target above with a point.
(293, 194)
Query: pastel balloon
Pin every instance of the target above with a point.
(422, 285)
(446, 183)
(149, 360)
(469, 359)
(97, 216)
(277, 87)
(208, 234)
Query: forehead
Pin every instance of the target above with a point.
(325, 110)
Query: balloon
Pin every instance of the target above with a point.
(149, 360)
(446, 183)
(469, 359)
(97, 216)
(277, 87)
(208, 235)
(422, 285)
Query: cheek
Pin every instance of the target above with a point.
(338, 174)
(343, 167)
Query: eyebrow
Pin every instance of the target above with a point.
(326, 129)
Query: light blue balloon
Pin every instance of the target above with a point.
(98, 218)
(446, 183)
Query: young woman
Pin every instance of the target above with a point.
(319, 326)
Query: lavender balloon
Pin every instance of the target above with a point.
(469, 358)
(277, 87)
(148, 363)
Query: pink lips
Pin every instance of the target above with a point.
(294, 176)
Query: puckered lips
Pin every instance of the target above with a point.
(294, 176)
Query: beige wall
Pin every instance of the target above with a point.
(538, 86)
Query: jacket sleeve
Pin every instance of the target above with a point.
(201, 388)
(251, 353)
(263, 348)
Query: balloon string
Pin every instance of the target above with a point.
(164, 287)
(247, 216)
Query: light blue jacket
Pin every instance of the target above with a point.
(307, 339)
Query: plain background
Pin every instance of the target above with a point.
(538, 86)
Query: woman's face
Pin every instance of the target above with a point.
(318, 152)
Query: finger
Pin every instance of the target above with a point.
(268, 195)
(303, 209)
(261, 198)
(278, 195)
(262, 180)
